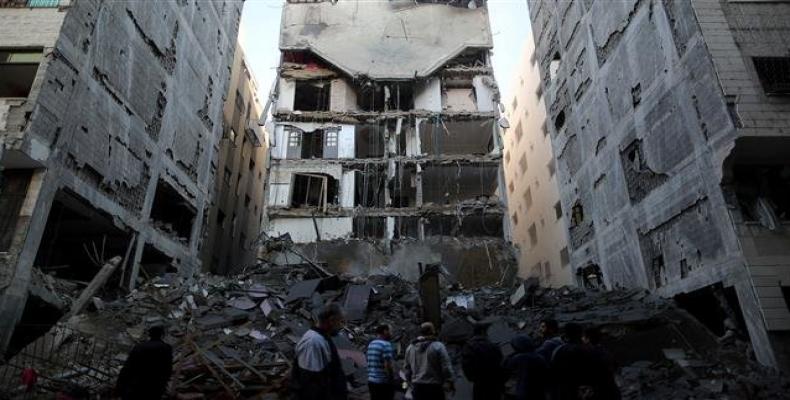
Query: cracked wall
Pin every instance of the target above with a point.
(646, 102)
(115, 111)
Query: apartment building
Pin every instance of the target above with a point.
(386, 147)
(109, 116)
(237, 206)
(671, 125)
(536, 216)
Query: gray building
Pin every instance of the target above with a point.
(237, 209)
(110, 112)
(385, 144)
(670, 121)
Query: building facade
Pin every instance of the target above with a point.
(109, 116)
(671, 125)
(237, 207)
(534, 208)
(386, 148)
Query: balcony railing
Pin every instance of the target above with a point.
(29, 3)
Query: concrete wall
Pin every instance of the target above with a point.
(535, 193)
(640, 126)
(131, 96)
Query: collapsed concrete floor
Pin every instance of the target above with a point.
(234, 337)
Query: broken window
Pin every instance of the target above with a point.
(559, 121)
(220, 219)
(369, 141)
(554, 66)
(387, 96)
(515, 104)
(228, 175)
(313, 190)
(13, 190)
(312, 95)
(544, 128)
(403, 186)
(443, 137)
(539, 92)
(369, 186)
(774, 74)
(533, 235)
(658, 271)
(18, 71)
(763, 193)
(577, 215)
(510, 187)
(551, 168)
(507, 157)
(558, 210)
(313, 144)
(155, 263)
(467, 226)
(590, 277)
(514, 217)
(370, 227)
(459, 95)
(640, 179)
(407, 227)
(79, 239)
(522, 163)
(171, 213)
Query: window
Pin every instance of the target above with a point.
(577, 215)
(239, 101)
(514, 217)
(528, 198)
(551, 168)
(519, 132)
(533, 59)
(507, 157)
(515, 103)
(565, 258)
(539, 92)
(533, 235)
(313, 190)
(312, 96)
(510, 187)
(558, 210)
(18, 71)
(232, 135)
(554, 66)
(544, 128)
(331, 138)
(547, 270)
(247, 201)
(252, 164)
(294, 139)
(522, 163)
(774, 74)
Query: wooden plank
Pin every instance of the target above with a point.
(97, 283)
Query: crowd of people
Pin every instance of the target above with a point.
(567, 365)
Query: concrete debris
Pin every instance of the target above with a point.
(240, 346)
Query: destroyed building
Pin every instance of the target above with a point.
(386, 148)
(537, 224)
(109, 116)
(670, 121)
(237, 212)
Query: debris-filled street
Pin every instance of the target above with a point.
(234, 337)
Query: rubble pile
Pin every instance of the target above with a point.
(233, 337)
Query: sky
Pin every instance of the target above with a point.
(260, 26)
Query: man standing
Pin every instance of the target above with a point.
(147, 369)
(427, 367)
(602, 367)
(381, 372)
(531, 370)
(317, 373)
(550, 334)
(482, 365)
(569, 365)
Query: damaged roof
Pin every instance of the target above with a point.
(384, 39)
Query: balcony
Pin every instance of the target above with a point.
(29, 3)
(251, 130)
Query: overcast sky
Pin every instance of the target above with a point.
(260, 25)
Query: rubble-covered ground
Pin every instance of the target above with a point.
(233, 337)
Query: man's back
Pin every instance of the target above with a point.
(379, 352)
(146, 371)
(481, 359)
(427, 362)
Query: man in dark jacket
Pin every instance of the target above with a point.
(569, 365)
(602, 368)
(317, 372)
(147, 370)
(481, 361)
(531, 369)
